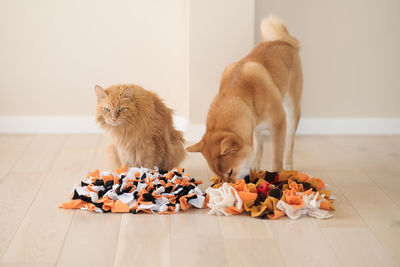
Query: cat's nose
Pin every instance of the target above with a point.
(114, 119)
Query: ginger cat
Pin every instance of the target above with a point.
(141, 127)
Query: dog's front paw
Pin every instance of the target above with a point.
(255, 167)
(288, 167)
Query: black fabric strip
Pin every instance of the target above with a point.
(86, 198)
(101, 193)
(109, 183)
(162, 172)
(76, 195)
(192, 197)
(99, 205)
(127, 189)
(105, 211)
(270, 176)
(307, 186)
(177, 187)
(168, 189)
(98, 182)
(275, 192)
(118, 191)
(261, 197)
(148, 197)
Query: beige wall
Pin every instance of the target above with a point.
(218, 36)
(350, 53)
(53, 52)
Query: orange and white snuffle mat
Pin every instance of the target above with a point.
(262, 194)
(272, 195)
(137, 190)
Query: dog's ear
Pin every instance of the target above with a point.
(198, 147)
(230, 143)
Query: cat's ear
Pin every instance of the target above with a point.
(128, 93)
(198, 147)
(100, 93)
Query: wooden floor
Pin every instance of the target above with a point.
(37, 173)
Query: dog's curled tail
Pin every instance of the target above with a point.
(273, 28)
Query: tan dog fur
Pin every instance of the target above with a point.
(251, 98)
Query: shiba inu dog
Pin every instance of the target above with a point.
(260, 92)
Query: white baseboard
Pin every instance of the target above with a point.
(326, 126)
(48, 124)
(59, 124)
(86, 124)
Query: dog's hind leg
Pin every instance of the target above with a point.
(292, 108)
(278, 133)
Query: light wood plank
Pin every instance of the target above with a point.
(315, 158)
(244, 227)
(11, 149)
(345, 214)
(253, 252)
(357, 246)
(302, 244)
(249, 241)
(394, 146)
(19, 188)
(371, 155)
(143, 241)
(318, 153)
(87, 228)
(364, 232)
(380, 213)
(97, 233)
(42, 232)
(196, 240)
(375, 208)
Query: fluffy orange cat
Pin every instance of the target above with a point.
(141, 127)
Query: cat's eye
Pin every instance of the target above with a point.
(106, 109)
(122, 109)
